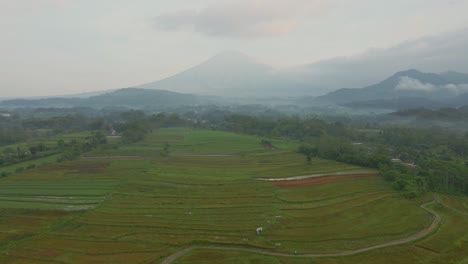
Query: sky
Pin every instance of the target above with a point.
(56, 47)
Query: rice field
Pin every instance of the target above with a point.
(131, 205)
(449, 244)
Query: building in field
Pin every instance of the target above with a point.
(259, 230)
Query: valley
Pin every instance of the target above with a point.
(205, 195)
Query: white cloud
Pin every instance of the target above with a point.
(242, 18)
(409, 84)
(457, 88)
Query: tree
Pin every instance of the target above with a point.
(135, 131)
(308, 152)
(33, 150)
(165, 150)
(61, 144)
(266, 144)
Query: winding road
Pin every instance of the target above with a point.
(421, 234)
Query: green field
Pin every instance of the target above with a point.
(49, 157)
(131, 205)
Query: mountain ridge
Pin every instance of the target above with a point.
(404, 84)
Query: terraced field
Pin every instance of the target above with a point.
(130, 205)
(448, 244)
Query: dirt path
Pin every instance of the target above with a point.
(421, 234)
(120, 157)
(314, 181)
(154, 156)
(304, 177)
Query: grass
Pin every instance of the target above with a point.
(140, 210)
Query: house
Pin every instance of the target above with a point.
(259, 230)
(410, 165)
(113, 133)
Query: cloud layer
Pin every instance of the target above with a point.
(242, 18)
(409, 84)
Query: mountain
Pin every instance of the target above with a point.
(455, 77)
(128, 97)
(231, 74)
(235, 74)
(406, 88)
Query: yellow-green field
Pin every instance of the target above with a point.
(131, 205)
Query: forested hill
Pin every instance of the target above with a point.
(443, 114)
(128, 97)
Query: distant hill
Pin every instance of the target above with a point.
(86, 94)
(231, 74)
(452, 118)
(128, 97)
(443, 114)
(406, 89)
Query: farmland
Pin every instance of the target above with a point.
(130, 204)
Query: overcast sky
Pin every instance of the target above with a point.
(51, 47)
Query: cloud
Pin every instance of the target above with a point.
(409, 84)
(12, 6)
(457, 88)
(242, 18)
(438, 53)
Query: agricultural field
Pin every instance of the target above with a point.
(448, 244)
(49, 156)
(130, 204)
